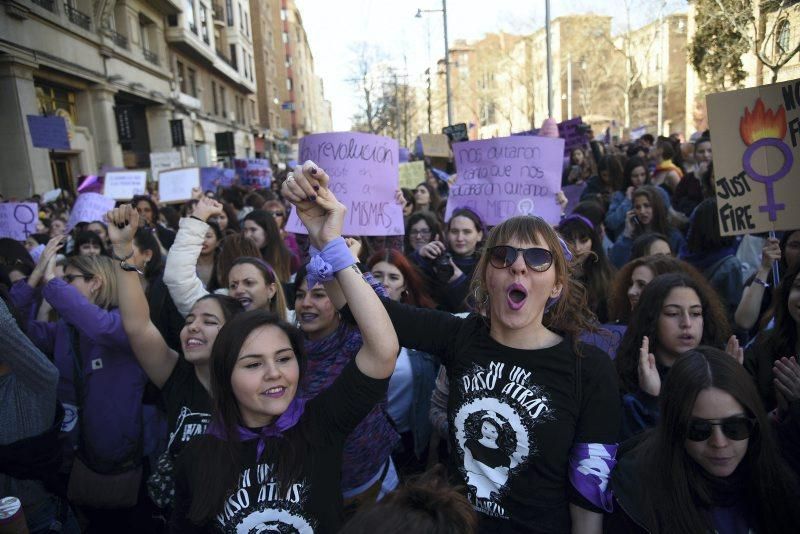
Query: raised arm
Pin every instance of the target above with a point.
(180, 273)
(749, 306)
(323, 215)
(152, 352)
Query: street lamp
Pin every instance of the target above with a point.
(443, 11)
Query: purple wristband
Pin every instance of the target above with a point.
(334, 257)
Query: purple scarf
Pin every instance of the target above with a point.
(287, 420)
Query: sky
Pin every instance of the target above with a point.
(410, 44)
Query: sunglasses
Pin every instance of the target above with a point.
(736, 428)
(503, 256)
(71, 277)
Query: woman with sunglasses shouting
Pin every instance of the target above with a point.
(712, 464)
(534, 413)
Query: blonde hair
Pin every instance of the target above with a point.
(98, 267)
(570, 314)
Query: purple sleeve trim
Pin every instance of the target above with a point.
(590, 465)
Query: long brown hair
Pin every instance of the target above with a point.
(660, 223)
(217, 473)
(620, 307)
(415, 293)
(275, 251)
(570, 315)
(644, 322)
(676, 488)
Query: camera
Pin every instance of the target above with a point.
(442, 267)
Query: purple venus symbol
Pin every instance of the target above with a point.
(771, 206)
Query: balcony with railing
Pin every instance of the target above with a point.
(49, 5)
(226, 59)
(119, 39)
(78, 17)
(150, 56)
(218, 13)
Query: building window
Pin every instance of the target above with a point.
(241, 17)
(204, 24)
(284, 14)
(229, 12)
(181, 77)
(192, 74)
(783, 38)
(285, 38)
(247, 24)
(234, 61)
(188, 12)
(214, 97)
(223, 105)
(53, 99)
(289, 84)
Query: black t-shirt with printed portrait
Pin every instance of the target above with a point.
(312, 503)
(541, 402)
(188, 406)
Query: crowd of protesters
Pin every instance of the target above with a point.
(197, 368)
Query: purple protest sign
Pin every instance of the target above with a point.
(89, 207)
(572, 134)
(364, 176)
(48, 132)
(573, 193)
(253, 172)
(18, 219)
(508, 176)
(211, 177)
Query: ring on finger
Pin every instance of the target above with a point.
(290, 178)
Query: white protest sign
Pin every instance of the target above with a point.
(89, 207)
(161, 161)
(18, 219)
(124, 185)
(51, 195)
(175, 185)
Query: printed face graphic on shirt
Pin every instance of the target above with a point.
(495, 431)
(259, 506)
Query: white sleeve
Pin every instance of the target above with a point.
(180, 273)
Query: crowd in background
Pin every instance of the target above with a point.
(665, 389)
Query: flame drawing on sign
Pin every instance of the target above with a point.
(761, 128)
(762, 123)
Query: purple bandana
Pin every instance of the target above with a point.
(590, 465)
(287, 420)
(324, 263)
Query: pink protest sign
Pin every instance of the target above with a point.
(364, 176)
(253, 172)
(508, 176)
(89, 207)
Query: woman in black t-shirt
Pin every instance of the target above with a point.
(272, 459)
(522, 361)
(183, 379)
